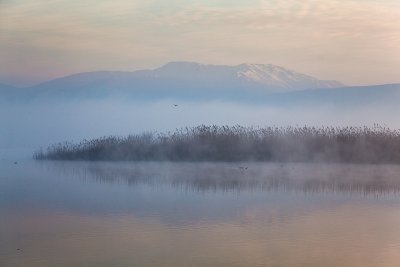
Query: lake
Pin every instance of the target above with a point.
(198, 214)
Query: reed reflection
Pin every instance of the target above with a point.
(231, 177)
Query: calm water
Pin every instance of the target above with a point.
(185, 214)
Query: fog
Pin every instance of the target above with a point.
(227, 177)
(25, 127)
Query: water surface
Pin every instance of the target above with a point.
(198, 214)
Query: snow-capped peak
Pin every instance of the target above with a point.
(250, 75)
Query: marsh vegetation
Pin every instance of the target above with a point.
(223, 143)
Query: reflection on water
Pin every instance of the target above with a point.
(318, 177)
(199, 214)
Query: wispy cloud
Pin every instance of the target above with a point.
(353, 41)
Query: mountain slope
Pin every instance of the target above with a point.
(386, 94)
(267, 84)
(6, 87)
(183, 78)
(267, 76)
(9, 93)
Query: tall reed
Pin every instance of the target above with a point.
(375, 144)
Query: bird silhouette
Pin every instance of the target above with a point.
(175, 105)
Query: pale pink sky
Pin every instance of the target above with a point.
(353, 41)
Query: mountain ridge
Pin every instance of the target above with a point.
(261, 83)
(268, 76)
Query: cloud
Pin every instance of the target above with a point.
(355, 42)
(330, 18)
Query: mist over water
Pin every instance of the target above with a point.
(203, 214)
(189, 214)
(309, 178)
(41, 123)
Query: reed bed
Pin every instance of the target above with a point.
(375, 144)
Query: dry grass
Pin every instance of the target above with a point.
(222, 143)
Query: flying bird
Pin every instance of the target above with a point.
(175, 105)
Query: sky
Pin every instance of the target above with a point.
(353, 41)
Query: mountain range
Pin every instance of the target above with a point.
(194, 81)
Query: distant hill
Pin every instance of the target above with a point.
(8, 92)
(352, 95)
(260, 83)
(182, 80)
(6, 87)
